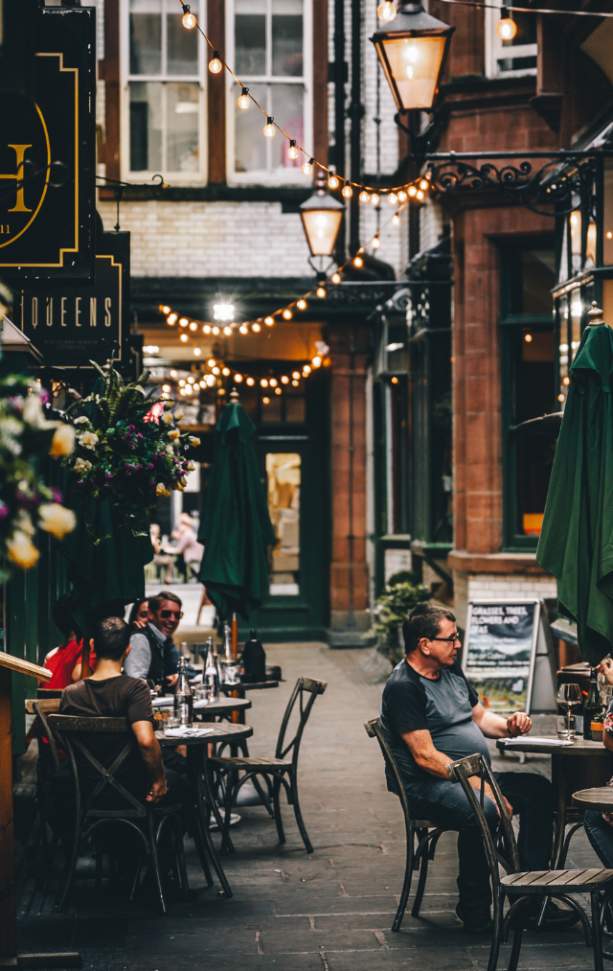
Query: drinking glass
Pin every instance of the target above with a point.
(569, 697)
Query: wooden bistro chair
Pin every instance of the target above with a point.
(281, 770)
(517, 885)
(101, 799)
(422, 836)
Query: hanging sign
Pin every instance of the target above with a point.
(47, 164)
(72, 323)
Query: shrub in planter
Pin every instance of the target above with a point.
(402, 593)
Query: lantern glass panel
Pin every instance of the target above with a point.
(321, 227)
(413, 68)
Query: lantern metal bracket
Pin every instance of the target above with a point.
(549, 183)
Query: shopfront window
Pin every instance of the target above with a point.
(269, 45)
(284, 477)
(529, 389)
(163, 94)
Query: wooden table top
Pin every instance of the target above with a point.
(579, 747)
(599, 798)
(215, 732)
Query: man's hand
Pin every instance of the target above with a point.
(518, 724)
(140, 623)
(157, 791)
(171, 679)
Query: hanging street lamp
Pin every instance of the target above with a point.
(412, 50)
(321, 216)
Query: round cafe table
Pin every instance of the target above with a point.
(600, 798)
(572, 766)
(197, 742)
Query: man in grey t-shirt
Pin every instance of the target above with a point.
(432, 716)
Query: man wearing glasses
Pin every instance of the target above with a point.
(432, 716)
(153, 655)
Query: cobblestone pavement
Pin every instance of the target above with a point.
(331, 911)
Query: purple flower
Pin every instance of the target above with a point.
(57, 495)
(4, 510)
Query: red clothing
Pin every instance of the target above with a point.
(61, 662)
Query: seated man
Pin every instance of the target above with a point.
(111, 693)
(153, 655)
(432, 717)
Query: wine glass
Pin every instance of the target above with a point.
(569, 697)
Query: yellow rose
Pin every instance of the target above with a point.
(161, 490)
(181, 484)
(21, 550)
(179, 414)
(194, 441)
(174, 434)
(167, 418)
(56, 519)
(62, 442)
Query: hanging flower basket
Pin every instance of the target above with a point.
(28, 505)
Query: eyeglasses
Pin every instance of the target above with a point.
(455, 638)
(166, 614)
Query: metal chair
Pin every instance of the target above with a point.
(422, 836)
(282, 770)
(102, 799)
(518, 885)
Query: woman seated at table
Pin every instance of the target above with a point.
(65, 660)
(599, 825)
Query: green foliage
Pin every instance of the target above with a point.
(401, 594)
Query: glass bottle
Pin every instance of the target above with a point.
(254, 659)
(227, 641)
(211, 676)
(184, 696)
(592, 706)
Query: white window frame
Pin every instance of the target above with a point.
(173, 178)
(495, 49)
(282, 176)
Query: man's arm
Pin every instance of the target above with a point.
(152, 757)
(495, 726)
(425, 754)
(138, 662)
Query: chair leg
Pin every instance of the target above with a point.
(298, 814)
(264, 796)
(566, 844)
(515, 949)
(153, 850)
(230, 795)
(496, 933)
(276, 803)
(596, 930)
(408, 877)
(424, 858)
(72, 865)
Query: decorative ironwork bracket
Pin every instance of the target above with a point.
(550, 183)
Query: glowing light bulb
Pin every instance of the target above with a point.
(333, 181)
(307, 168)
(420, 196)
(424, 185)
(164, 309)
(269, 129)
(506, 28)
(306, 370)
(171, 320)
(375, 199)
(358, 261)
(206, 328)
(392, 199)
(243, 102)
(376, 242)
(256, 327)
(215, 64)
(211, 362)
(287, 314)
(316, 362)
(412, 190)
(265, 400)
(216, 371)
(238, 378)
(183, 322)
(269, 321)
(410, 52)
(402, 196)
(273, 382)
(292, 151)
(189, 19)
(528, 338)
(396, 219)
(226, 372)
(193, 326)
(278, 391)
(183, 338)
(250, 382)
(336, 278)
(386, 10)
(393, 379)
(227, 330)
(295, 384)
(321, 292)
(264, 383)
(243, 329)
(295, 376)
(347, 191)
(215, 331)
(301, 304)
(284, 379)
(364, 197)
(197, 352)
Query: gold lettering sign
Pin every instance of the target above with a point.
(24, 178)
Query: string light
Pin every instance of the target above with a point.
(301, 304)
(347, 191)
(215, 64)
(189, 20)
(287, 314)
(269, 321)
(386, 11)
(321, 292)
(243, 102)
(506, 28)
(269, 128)
(307, 168)
(292, 151)
(358, 261)
(336, 278)
(333, 181)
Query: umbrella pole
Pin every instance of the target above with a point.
(234, 635)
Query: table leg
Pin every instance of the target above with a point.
(197, 763)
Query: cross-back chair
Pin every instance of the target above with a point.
(276, 772)
(421, 835)
(101, 798)
(516, 885)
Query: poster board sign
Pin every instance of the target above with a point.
(500, 652)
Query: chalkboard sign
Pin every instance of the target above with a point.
(500, 651)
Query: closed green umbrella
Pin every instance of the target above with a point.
(235, 527)
(576, 543)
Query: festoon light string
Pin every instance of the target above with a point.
(214, 372)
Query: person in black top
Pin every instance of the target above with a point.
(111, 693)
(432, 716)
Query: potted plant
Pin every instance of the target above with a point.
(402, 592)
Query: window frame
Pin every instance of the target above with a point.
(280, 176)
(199, 177)
(494, 48)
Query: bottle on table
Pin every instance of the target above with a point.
(211, 676)
(184, 696)
(227, 642)
(592, 706)
(254, 659)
